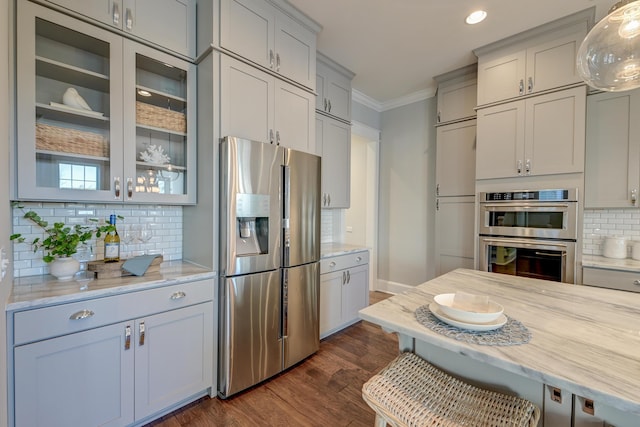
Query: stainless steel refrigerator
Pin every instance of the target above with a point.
(269, 258)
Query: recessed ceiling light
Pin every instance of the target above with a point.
(475, 17)
(142, 92)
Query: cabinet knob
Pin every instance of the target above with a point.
(636, 282)
(358, 259)
(82, 314)
(332, 264)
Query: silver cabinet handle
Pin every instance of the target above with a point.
(328, 199)
(277, 62)
(329, 105)
(116, 187)
(437, 204)
(437, 189)
(82, 314)
(129, 188)
(332, 264)
(127, 337)
(527, 167)
(141, 331)
(325, 104)
(344, 277)
(277, 137)
(636, 282)
(116, 14)
(178, 295)
(358, 259)
(348, 276)
(634, 196)
(519, 167)
(128, 19)
(271, 58)
(530, 85)
(521, 87)
(438, 118)
(270, 136)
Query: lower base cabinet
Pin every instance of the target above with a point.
(344, 290)
(119, 374)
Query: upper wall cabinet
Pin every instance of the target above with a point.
(457, 95)
(333, 86)
(100, 118)
(532, 62)
(166, 23)
(270, 34)
(612, 167)
(540, 135)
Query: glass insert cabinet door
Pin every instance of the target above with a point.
(78, 134)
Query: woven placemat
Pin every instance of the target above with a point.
(512, 333)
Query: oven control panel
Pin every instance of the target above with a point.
(533, 195)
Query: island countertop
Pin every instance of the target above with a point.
(584, 339)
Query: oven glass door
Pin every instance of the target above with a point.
(529, 258)
(555, 221)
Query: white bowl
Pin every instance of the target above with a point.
(445, 303)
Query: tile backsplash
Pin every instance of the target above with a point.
(600, 223)
(165, 223)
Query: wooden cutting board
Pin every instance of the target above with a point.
(104, 270)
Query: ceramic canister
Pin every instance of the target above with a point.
(615, 247)
(635, 250)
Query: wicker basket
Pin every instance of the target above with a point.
(66, 140)
(150, 115)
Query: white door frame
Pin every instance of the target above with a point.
(372, 135)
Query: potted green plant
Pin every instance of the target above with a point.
(61, 242)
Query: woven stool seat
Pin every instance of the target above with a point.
(412, 392)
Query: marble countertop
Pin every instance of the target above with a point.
(597, 261)
(584, 339)
(41, 291)
(336, 249)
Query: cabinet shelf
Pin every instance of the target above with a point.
(166, 167)
(72, 155)
(155, 94)
(60, 114)
(161, 130)
(70, 74)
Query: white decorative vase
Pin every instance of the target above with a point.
(64, 268)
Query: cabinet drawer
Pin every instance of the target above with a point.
(43, 323)
(341, 262)
(622, 280)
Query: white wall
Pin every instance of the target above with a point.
(5, 223)
(406, 199)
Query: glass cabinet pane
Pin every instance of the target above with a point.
(72, 109)
(161, 127)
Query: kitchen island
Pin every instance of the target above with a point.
(585, 342)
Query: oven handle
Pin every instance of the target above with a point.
(527, 206)
(524, 242)
(550, 255)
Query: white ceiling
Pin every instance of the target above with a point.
(395, 47)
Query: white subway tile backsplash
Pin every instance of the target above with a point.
(164, 221)
(600, 223)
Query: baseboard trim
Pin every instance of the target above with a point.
(391, 287)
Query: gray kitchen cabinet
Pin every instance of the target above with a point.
(271, 35)
(532, 62)
(540, 135)
(457, 95)
(279, 112)
(333, 138)
(612, 166)
(167, 23)
(344, 290)
(613, 279)
(114, 360)
(456, 159)
(139, 102)
(333, 86)
(455, 233)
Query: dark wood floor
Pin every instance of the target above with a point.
(324, 390)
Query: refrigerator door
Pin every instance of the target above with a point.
(250, 206)
(301, 213)
(250, 331)
(301, 296)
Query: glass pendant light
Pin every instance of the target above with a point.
(609, 57)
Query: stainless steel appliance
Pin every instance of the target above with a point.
(529, 233)
(269, 258)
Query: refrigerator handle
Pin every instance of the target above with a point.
(286, 213)
(285, 303)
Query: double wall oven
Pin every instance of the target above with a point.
(529, 233)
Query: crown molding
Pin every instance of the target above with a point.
(367, 101)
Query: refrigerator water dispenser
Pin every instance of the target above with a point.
(252, 224)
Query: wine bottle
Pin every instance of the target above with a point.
(112, 243)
